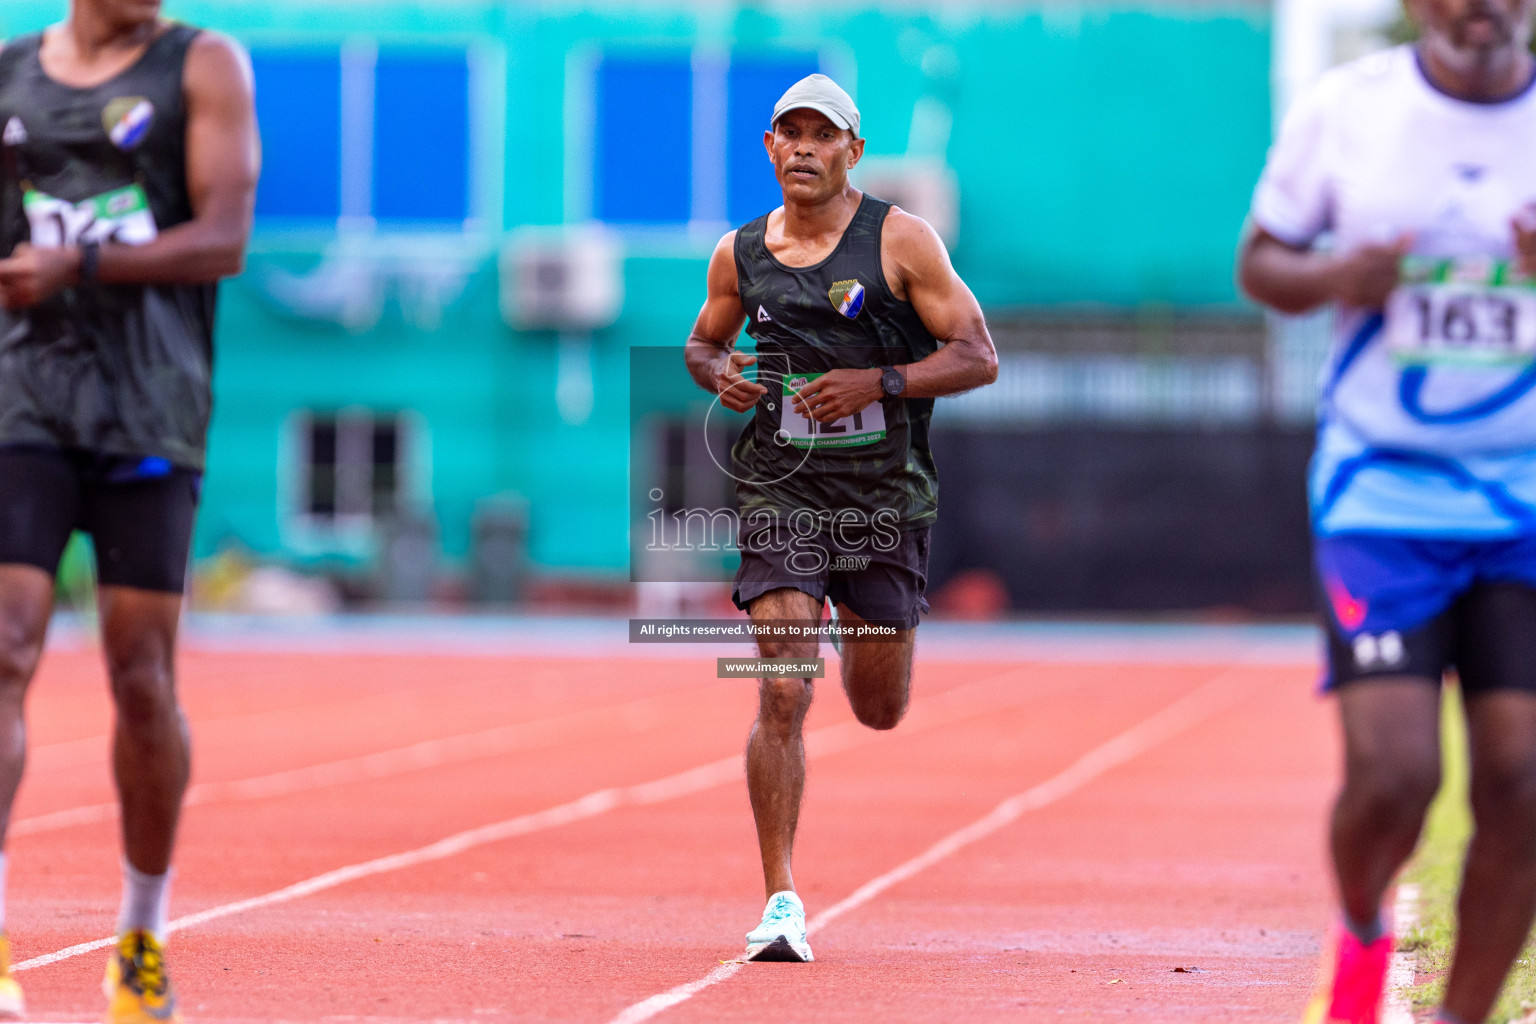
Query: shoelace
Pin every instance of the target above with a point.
(781, 910)
(143, 965)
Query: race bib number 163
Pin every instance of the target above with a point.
(1468, 312)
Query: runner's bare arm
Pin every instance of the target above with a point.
(711, 352)
(1292, 279)
(223, 162)
(918, 270)
(925, 277)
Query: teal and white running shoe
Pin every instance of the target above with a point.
(781, 936)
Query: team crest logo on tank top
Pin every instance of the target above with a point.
(127, 120)
(847, 297)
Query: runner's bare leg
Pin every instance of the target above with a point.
(1498, 889)
(26, 602)
(1391, 773)
(877, 673)
(151, 757)
(776, 749)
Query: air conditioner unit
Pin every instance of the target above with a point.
(923, 187)
(562, 279)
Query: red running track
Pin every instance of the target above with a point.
(598, 892)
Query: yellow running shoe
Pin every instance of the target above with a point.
(12, 1005)
(138, 990)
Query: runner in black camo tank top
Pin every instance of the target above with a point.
(860, 323)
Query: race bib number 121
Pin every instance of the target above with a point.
(1466, 312)
(121, 216)
(864, 427)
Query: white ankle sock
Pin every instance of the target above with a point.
(145, 899)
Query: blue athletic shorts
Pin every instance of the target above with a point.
(1415, 606)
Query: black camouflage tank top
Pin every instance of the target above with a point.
(808, 320)
(114, 369)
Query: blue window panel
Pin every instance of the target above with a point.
(754, 85)
(643, 145)
(421, 144)
(298, 103)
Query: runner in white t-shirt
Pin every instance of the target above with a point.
(1402, 190)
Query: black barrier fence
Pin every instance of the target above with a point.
(1123, 520)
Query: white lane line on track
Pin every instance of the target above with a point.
(1189, 710)
(964, 702)
(1405, 964)
(631, 717)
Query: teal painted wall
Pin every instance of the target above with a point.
(1105, 155)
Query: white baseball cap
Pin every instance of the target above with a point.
(821, 94)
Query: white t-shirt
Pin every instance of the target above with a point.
(1412, 442)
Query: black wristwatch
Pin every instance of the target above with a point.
(892, 382)
(90, 259)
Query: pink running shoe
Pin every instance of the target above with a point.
(1354, 976)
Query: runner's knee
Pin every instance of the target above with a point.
(782, 703)
(881, 710)
(26, 601)
(144, 692)
(1504, 801)
(21, 646)
(1394, 791)
(768, 647)
(882, 717)
(878, 681)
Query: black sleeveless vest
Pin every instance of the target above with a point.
(114, 369)
(808, 320)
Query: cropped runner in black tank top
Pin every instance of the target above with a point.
(126, 193)
(122, 369)
(833, 473)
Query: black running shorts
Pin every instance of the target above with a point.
(878, 576)
(139, 513)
